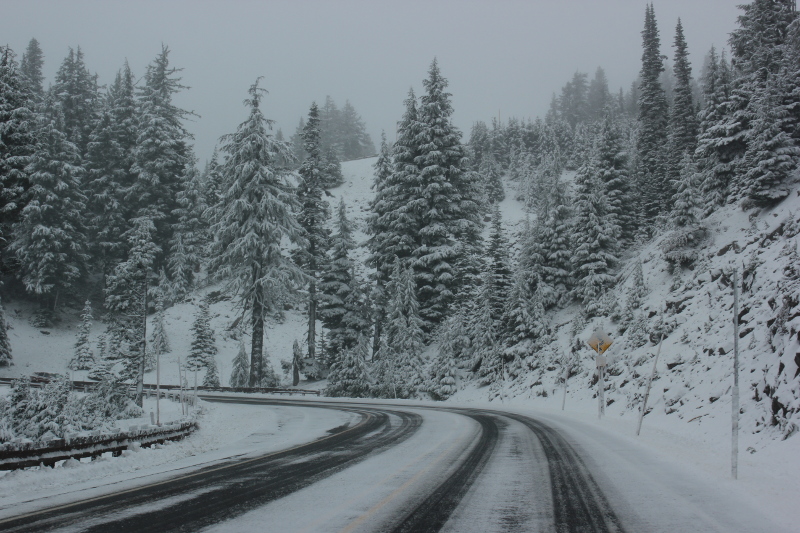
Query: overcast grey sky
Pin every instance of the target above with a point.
(501, 57)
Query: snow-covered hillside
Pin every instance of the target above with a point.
(694, 374)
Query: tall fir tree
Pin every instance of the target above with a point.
(595, 241)
(338, 283)
(31, 68)
(108, 165)
(49, 239)
(553, 250)
(76, 91)
(17, 142)
(126, 294)
(190, 235)
(717, 151)
(598, 96)
(498, 263)
(653, 121)
(312, 217)
(445, 198)
(162, 151)
(683, 114)
(254, 214)
(610, 161)
(379, 236)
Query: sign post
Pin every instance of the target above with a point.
(735, 391)
(599, 342)
(649, 384)
(567, 370)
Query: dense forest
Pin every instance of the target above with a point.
(102, 196)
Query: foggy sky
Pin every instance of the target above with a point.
(502, 58)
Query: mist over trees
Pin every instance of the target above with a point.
(103, 196)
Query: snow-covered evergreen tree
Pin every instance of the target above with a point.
(30, 66)
(610, 162)
(498, 263)
(445, 197)
(595, 242)
(524, 318)
(162, 153)
(190, 237)
(204, 346)
(683, 114)
(404, 334)
(49, 239)
(350, 376)
(772, 155)
(17, 142)
(686, 208)
(653, 120)
(76, 92)
(84, 356)
(240, 374)
(126, 297)
(253, 215)
(159, 342)
(108, 164)
(549, 252)
(312, 217)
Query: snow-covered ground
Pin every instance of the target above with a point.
(694, 389)
(226, 431)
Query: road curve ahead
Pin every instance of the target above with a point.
(404, 468)
(221, 492)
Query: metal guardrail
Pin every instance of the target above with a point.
(86, 386)
(22, 455)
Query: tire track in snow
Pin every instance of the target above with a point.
(237, 486)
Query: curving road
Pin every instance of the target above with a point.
(406, 468)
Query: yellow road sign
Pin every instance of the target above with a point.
(599, 341)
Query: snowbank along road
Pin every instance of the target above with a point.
(407, 468)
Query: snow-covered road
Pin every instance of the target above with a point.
(406, 466)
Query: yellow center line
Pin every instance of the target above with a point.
(186, 476)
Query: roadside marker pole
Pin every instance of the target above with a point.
(158, 389)
(601, 392)
(180, 384)
(567, 365)
(735, 391)
(649, 384)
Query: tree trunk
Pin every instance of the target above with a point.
(312, 319)
(142, 349)
(376, 338)
(257, 346)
